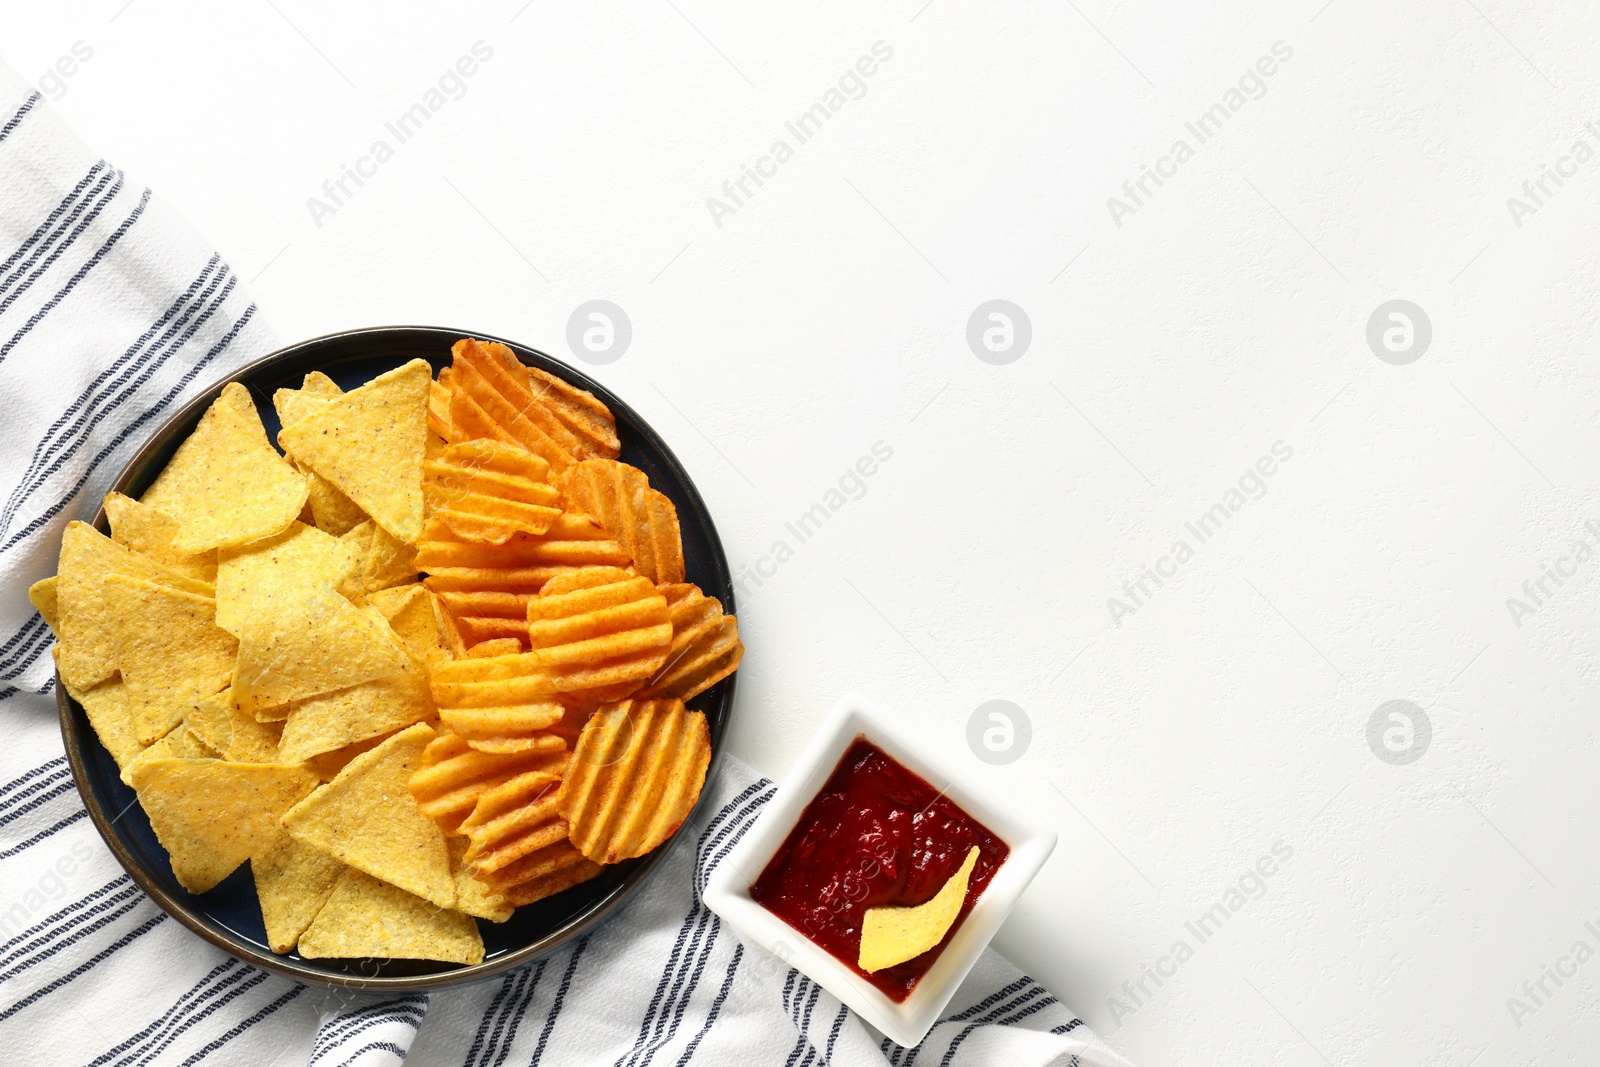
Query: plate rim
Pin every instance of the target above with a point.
(605, 908)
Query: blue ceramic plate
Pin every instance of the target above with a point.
(228, 916)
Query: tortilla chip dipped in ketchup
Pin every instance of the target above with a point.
(880, 837)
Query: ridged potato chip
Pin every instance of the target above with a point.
(293, 882)
(486, 491)
(367, 818)
(589, 421)
(367, 918)
(642, 519)
(226, 484)
(169, 648)
(513, 819)
(211, 816)
(598, 633)
(141, 528)
(705, 644)
(635, 776)
(491, 397)
(370, 443)
(452, 775)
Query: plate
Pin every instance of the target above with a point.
(229, 916)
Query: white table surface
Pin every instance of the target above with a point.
(1228, 712)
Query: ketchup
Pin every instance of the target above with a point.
(877, 834)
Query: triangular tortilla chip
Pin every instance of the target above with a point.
(893, 935)
(110, 708)
(211, 816)
(258, 580)
(169, 648)
(87, 556)
(148, 532)
(233, 735)
(226, 484)
(315, 390)
(42, 595)
(334, 720)
(293, 882)
(317, 644)
(178, 744)
(473, 895)
(369, 443)
(367, 817)
(409, 609)
(366, 918)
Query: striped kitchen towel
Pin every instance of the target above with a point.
(112, 313)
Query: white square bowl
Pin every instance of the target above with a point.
(728, 891)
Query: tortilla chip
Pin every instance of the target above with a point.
(293, 882)
(233, 735)
(110, 708)
(318, 643)
(893, 935)
(180, 743)
(370, 444)
(385, 562)
(87, 557)
(367, 818)
(365, 918)
(143, 529)
(333, 720)
(169, 648)
(474, 896)
(410, 611)
(211, 816)
(42, 595)
(316, 389)
(270, 575)
(328, 765)
(227, 485)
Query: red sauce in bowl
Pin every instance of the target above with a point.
(877, 834)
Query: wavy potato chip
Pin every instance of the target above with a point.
(226, 484)
(634, 777)
(705, 644)
(169, 648)
(367, 818)
(256, 580)
(894, 935)
(598, 633)
(486, 491)
(491, 398)
(370, 443)
(640, 518)
(367, 918)
(589, 420)
(211, 816)
(141, 528)
(451, 775)
(523, 564)
(88, 655)
(293, 882)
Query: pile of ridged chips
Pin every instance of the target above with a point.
(427, 664)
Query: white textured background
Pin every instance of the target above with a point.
(1229, 712)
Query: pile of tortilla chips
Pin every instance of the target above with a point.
(425, 665)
